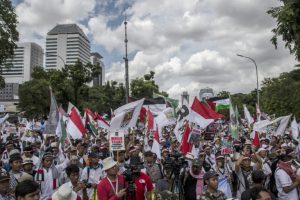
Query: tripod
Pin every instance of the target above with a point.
(176, 185)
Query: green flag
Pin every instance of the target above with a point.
(233, 122)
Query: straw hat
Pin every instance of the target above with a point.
(108, 163)
(65, 192)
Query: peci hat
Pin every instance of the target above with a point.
(93, 155)
(48, 155)
(27, 161)
(108, 163)
(209, 175)
(64, 192)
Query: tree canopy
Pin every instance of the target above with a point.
(145, 86)
(8, 34)
(288, 25)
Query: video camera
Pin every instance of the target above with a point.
(178, 162)
(131, 173)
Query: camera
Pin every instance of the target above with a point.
(87, 185)
(131, 173)
(178, 163)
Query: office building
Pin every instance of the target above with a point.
(100, 79)
(18, 69)
(65, 44)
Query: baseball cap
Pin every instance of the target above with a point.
(209, 175)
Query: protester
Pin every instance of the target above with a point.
(193, 183)
(73, 174)
(212, 193)
(258, 178)
(92, 174)
(287, 181)
(4, 187)
(224, 175)
(49, 174)
(113, 185)
(27, 190)
(152, 169)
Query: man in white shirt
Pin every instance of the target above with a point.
(92, 174)
(286, 180)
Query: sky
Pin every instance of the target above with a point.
(190, 44)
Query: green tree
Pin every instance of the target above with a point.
(281, 95)
(8, 34)
(288, 25)
(145, 86)
(81, 74)
(35, 98)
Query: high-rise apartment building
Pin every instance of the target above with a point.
(100, 79)
(65, 44)
(18, 69)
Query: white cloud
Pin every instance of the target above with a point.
(37, 17)
(188, 44)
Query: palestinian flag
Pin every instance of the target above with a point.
(220, 103)
(61, 131)
(233, 122)
(173, 103)
(89, 122)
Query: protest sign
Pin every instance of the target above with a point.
(116, 141)
(227, 146)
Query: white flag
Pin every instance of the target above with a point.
(248, 116)
(295, 130)
(126, 116)
(283, 124)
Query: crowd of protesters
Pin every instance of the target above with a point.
(35, 166)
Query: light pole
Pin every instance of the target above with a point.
(257, 93)
(126, 66)
(49, 54)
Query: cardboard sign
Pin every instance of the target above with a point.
(116, 141)
(195, 136)
(227, 147)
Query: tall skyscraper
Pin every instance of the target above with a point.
(65, 44)
(100, 79)
(18, 69)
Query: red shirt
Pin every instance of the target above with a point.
(106, 192)
(143, 185)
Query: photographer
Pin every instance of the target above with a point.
(92, 174)
(112, 187)
(165, 183)
(153, 169)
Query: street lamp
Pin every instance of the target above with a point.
(49, 54)
(257, 93)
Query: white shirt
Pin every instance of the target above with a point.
(47, 184)
(282, 180)
(94, 177)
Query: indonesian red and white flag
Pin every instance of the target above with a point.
(75, 126)
(202, 115)
(186, 146)
(156, 145)
(256, 141)
(150, 120)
